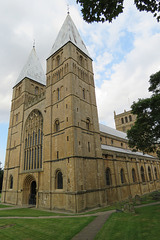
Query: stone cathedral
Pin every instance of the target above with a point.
(58, 156)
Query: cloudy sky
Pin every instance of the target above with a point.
(125, 52)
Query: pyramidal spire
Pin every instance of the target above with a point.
(69, 33)
(32, 69)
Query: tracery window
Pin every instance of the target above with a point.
(122, 175)
(142, 174)
(108, 177)
(149, 174)
(33, 143)
(11, 182)
(133, 175)
(59, 180)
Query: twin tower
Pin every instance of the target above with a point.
(53, 156)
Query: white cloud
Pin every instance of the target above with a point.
(130, 78)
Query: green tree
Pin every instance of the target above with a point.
(145, 133)
(107, 10)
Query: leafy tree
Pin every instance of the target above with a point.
(145, 133)
(107, 10)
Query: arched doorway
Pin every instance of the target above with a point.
(32, 196)
(29, 190)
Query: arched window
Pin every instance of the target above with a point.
(108, 177)
(142, 174)
(84, 94)
(89, 147)
(149, 174)
(11, 182)
(155, 171)
(122, 120)
(133, 175)
(58, 60)
(122, 176)
(130, 118)
(81, 60)
(126, 119)
(59, 180)
(57, 126)
(88, 124)
(33, 144)
(36, 90)
(58, 94)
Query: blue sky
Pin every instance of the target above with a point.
(125, 52)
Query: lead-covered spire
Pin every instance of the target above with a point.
(69, 33)
(32, 69)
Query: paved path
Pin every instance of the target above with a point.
(90, 231)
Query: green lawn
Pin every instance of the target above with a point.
(4, 206)
(28, 229)
(27, 212)
(144, 224)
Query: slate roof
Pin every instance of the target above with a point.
(32, 69)
(69, 33)
(127, 151)
(112, 131)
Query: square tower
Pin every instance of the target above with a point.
(72, 134)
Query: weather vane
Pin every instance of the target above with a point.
(34, 43)
(68, 8)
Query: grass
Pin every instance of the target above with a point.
(142, 225)
(28, 229)
(145, 199)
(27, 212)
(5, 206)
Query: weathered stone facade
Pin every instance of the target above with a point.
(57, 157)
(124, 121)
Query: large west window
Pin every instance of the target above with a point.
(33, 141)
